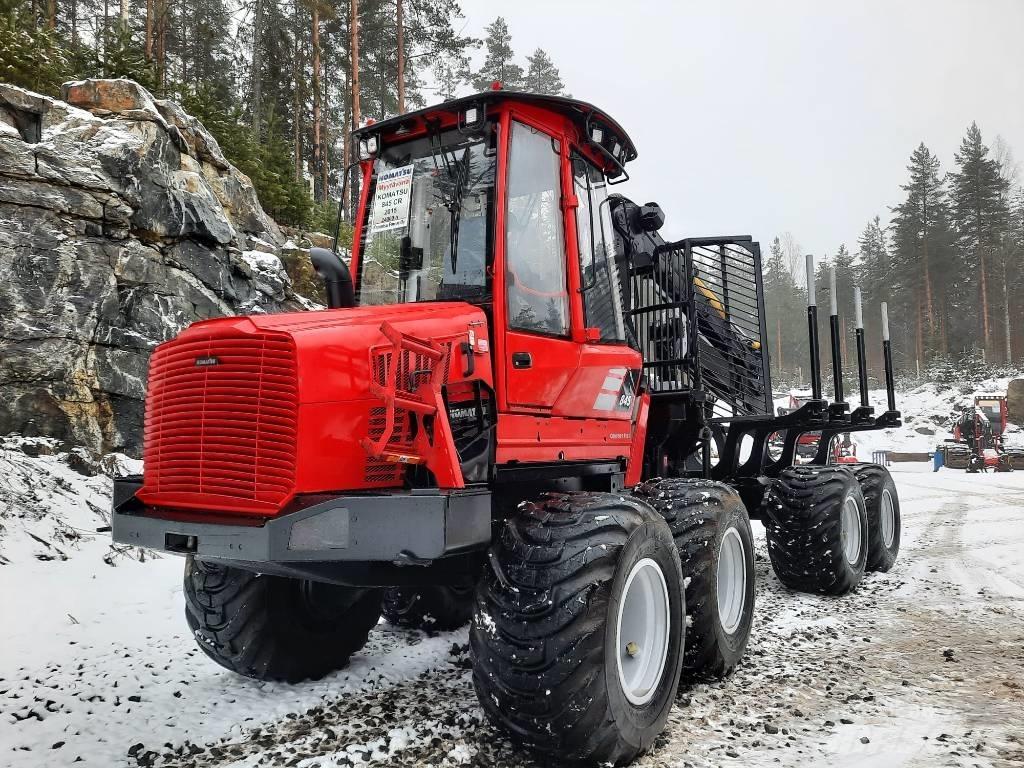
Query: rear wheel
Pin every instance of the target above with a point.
(817, 529)
(883, 508)
(712, 532)
(272, 627)
(577, 639)
(432, 607)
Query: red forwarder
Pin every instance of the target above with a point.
(505, 412)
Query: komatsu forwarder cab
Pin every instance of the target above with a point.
(522, 408)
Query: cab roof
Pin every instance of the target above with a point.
(586, 117)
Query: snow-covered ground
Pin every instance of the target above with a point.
(921, 666)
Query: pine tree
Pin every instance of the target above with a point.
(542, 75)
(450, 72)
(1015, 268)
(498, 65)
(980, 212)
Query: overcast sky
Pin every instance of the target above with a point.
(766, 116)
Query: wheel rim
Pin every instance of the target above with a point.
(642, 632)
(888, 519)
(732, 581)
(851, 530)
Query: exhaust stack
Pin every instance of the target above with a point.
(812, 330)
(890, 387)
(337, 279)
(862, 362)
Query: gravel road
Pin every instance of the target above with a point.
(922, 666)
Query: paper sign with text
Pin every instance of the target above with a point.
(391, 201)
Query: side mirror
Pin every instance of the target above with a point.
(337, 279)
(651, 217)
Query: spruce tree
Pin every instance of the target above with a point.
(785, 316)
(499, 64)
(542, 75)
(875, 278)
(31, 56)
(846, 279)
(925, 266)
(124, 57)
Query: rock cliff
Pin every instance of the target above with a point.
(120, 223)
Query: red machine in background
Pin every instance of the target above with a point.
(978, 438)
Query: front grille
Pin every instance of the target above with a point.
(221, 423)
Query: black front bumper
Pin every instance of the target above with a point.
(406, 527)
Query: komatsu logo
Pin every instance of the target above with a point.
(202, 362)
(461, 414)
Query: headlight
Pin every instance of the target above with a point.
(368, 147)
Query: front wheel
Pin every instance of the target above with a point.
(273, 627)
(577, 639)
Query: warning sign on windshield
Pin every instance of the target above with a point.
(391, 201)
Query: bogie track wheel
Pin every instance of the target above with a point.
(711, 529)
(816, 524)
(884, 522)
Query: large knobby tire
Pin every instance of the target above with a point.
(577, 640)
(438, 607)
(712, 532)
(884, 523)
(816, 524)
(272, 627)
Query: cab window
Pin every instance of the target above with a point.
(534, 239)
(428, 227)
(599, 277)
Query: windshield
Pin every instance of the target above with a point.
(429, 228)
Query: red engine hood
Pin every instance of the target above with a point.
(332, 345)
(245, 413)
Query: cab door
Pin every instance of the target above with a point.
(540, 357)
(566, 350)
